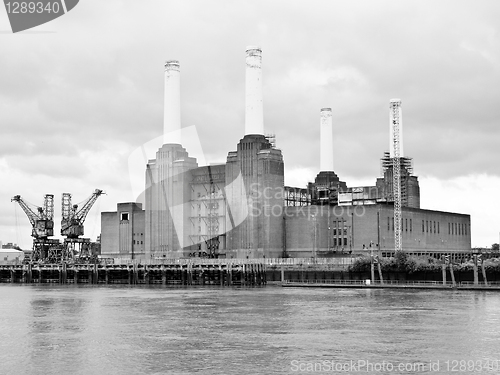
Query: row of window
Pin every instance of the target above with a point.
(138, 242)
(340, 242)
(340, 232)
(457, 229)
(404, 224)
(430, 226)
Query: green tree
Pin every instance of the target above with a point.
(495, 246)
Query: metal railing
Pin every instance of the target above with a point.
(369, 282)
(209, 261)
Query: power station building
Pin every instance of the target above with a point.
(242, 209)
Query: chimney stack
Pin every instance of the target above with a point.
(172, 105)
(326, 140)
(254, 115)
(395, 113)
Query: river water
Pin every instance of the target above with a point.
(271, 330)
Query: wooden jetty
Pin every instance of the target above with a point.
(177, 272)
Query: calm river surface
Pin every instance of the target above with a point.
(272, 330)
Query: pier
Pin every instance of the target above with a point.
(390, 284)
(175, 272)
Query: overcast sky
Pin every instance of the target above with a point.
(80, 93)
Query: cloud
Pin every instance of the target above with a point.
(79, 100)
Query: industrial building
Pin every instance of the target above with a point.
(242, 209)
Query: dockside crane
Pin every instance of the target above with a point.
(73, 218)
(42, 223)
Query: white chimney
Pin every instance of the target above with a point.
(172, 105)
(326, 140)
(395, 114)
(254, 114)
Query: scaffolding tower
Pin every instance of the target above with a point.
(395, 116)
(211, 198)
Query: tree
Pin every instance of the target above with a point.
(495, 246)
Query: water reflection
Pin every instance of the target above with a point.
(121, 329)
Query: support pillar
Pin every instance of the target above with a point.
(483, 270)
(476, 276)
(30, 273)
(190, 274)
(452, 273)
(163, 275)
(135, 274)
(443, 270)
(146, 274)
(380, 273)
(64, 273)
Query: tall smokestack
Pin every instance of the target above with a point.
(326, 140)
(395, 110)
(254, 114)
(172, 105)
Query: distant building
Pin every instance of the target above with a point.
(242, 209)
(11, 256)
(410, 190)
(123, 232)
(330, 230)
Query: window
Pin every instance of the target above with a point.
(427, 226)
(449, 230)
(134, 242)
(423, 226)
(124, 216)
(388, 223)
(434, 227)
(438, 227)
(410, 226)
(406, 224)
(393, 224)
